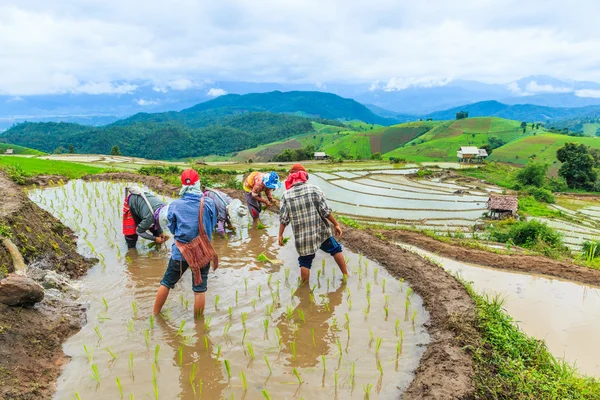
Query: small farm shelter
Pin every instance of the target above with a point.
(503, 206)
(470, 154)
(321, 155)
(10, 151)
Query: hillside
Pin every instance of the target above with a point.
(520, 112)
(18, 149)
(442, 142)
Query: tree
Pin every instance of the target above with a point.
(71, 149)
(524, 125)
(462, 115)
(524, 129)
(533, 174)
(376, 156)
(488, 149)
(496, 142)
(59, 150)
(578, 165)
(115, 151)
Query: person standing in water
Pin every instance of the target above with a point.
(141, 212)
(304, 207)
(192, 219)
(254, 185)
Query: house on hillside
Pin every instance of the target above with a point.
(320, 155)
(501, 207)
(9, 151)
(471, 154)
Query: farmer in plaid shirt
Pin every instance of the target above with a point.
(304, 207)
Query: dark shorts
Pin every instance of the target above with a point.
(176, 269)
(131, 241)
(330, 246)
(253, 205)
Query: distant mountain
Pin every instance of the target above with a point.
(520, 112)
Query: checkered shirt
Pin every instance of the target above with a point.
(304, 207)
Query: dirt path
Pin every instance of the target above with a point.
(513, 262)
(446, 370)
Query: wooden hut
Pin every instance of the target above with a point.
(503, 206)
(320, 155)
(10, 151)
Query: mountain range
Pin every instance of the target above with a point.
(404, 98)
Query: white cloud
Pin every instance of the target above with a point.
(588, 93)
(104, 87)
(57, 47)
(396, 84)
(215, 92)
(144, 102)
(534, 88)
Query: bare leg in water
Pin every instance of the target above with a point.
(163, 294)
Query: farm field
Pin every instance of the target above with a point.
(18, 149)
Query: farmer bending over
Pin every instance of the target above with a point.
(254, 185)
(227, 208)
(141, 211)
(192, 248)
(304, 207)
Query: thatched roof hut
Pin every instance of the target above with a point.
(503, 206)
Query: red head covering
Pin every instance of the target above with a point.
(297, 174)
(189, 177)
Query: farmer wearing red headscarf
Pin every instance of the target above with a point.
(191, 248)
(304, 207)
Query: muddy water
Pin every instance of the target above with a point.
(190, 359)
(564, 314)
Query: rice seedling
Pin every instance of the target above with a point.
(350, 304)
(335, 381)
(77, 396)
(180, 330)
(353, 374)
(180, 356)
(263, 258)
(379, 367)
(269, 280)
(266, 325)
(287, 272)
(278, 333)
(217, 298)
(151, 321)
(264, 391)
(414, 316)
(105, 303)
(130, 326)
(268, 365)
(408, 292)
(200, 387)
(112, 355)
(260, 225)
(147, 338)
(244, 382)
(301, 315)
(398, 348)
(207, 322)
(319, 275)
(95, 373)
(312, 334)
(339, 346)
(375, 273)
(88, 354)
(227, 328)
(387, 312)
(130, 364)
(367, 388)
(186, 304)
(219, 349)
(401, 284)
(131, 397)
(368, 303)
(259, 290)
(297, 375)
(246, 284)
(206, 343)
(156, 351)
(378, 343)
(193, 373)
(328, 283)
(236, 297)
(253, 302)
(134, 307)
(397, 327)
(289, 313)
(98, 333)
(368, 289)
(244, 336)
(119, 386)
(244, 317)
(406, 306)
(293, 349)
(250, 349)
(230, 312)
(227, 368)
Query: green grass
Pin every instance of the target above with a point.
(499, 174)
(509, 364)
(19, 149)
(36, 166)
(544, 146)
(445, 139)
(589, 128)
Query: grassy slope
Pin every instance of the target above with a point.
(442, 142)
(19, 149)
(544, 146)
(589, 129)
(35, 166)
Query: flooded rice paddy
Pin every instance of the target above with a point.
(566, 315)
(261, 334)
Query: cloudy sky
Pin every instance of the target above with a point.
(98, 46)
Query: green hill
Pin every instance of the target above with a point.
(18, 149)
(443, 140)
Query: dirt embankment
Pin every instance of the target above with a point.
(446, 370)
(513, 262)
(31, 339)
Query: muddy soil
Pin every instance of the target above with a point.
(513, 262)
(446, 370)
(31, 356)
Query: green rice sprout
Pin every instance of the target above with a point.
(263, 258)
(339, 346)
(77, 396)
(230, 312)
(112, 355)
(254, 303)
(95, 373)
(151, 321)
(398, 348)
(297, 374)
(250, 349)
(88, 354)
(324, 362)
(379, 367)
(227, 368)
(375, 273)
(408, 292)
(264, 391)
(207, 322)
(244, 336)
(371, 337)
(154, 373)
(406, 306)
(413, 317)
(244, 317)
(244, 382)
(278, 333)
(105, 303)
(156, 351)
(98, 333)
(236, 298)
(335, 380)
(268, 365)
(318, 275)
(378, 343)
(217, 297)
(193, 373)
(266, 325)
(401, 284)
(328, 283)
(131, 363)
(350, 304)
(186, 304)
(368, 288)
(397, 327)
(130, 326)
(353, 373)
(219, 348)
(287, 273)
(134, 307)
(181, 299)
(180, 330)
(285, 240)
(367, 388)
(246, 284)
(119, 386)
(368, 303)
(301, 315)
(312, 334)
(289, 312)
(383, 282)
(260, 225)
(180, 355)
(258, 290)
(226, 328)
(293, 349)
(387, 312)
(147, 338)
(131, 397)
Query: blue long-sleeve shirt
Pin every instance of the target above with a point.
(183, 220)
